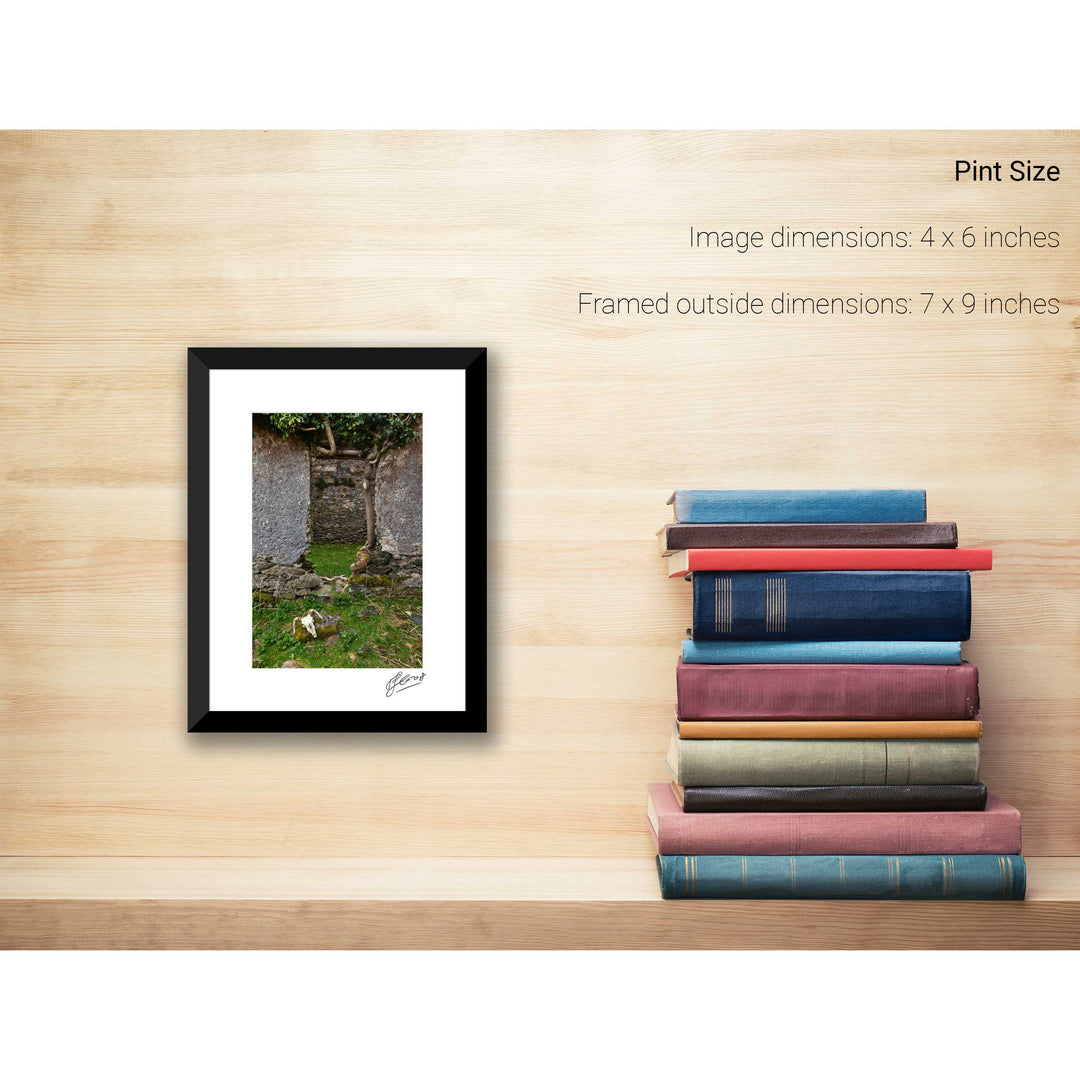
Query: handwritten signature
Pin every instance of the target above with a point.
(402, 681)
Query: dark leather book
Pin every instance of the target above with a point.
(680, 537)
(848, 797)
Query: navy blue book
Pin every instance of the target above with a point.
(798, 507)
(832, 605)
(842, 877)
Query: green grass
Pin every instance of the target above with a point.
(376, 632)
(332, 560)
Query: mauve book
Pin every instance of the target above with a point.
(827, 691)
(993, 831)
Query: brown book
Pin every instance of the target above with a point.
(831, 799)
(680, 537)
(830, 729)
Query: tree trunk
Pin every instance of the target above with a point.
(371, 468)
(369, 515)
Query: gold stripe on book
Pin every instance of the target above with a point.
(722, 601)
(775, 605)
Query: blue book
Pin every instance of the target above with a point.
(797, 507)
(842, 877)
(820, 652)
(832, 605)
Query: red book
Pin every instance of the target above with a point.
(683, 562)
(993, 831)
(827, 691)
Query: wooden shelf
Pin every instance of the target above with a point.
(434, 903)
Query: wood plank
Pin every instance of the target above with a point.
(480, 903)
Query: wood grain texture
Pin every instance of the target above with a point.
(119, 250)
(156, 903)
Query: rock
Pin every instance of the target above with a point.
(411, 581)
(262, 597)
(279, 581)
(294, 664)
(313, 625)
(333, 639)
(360, 582)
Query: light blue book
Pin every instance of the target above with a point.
(820, 652)
(792, 507)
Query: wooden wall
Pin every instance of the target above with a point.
(117, 251)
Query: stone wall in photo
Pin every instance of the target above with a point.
(399, 490)
(281, 497)
(337, 501)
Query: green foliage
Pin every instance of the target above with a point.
(361, 431)
(332, 560)
(375, 632)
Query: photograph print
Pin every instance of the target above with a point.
(337, 540)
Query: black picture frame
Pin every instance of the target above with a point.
(201, 361)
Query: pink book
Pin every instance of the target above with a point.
(993, 831)
(827, 691)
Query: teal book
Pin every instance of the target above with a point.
(940, 653)
(800, 506)
(842, 877)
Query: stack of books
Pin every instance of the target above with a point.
(827, 731)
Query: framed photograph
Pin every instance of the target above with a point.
(337, 551)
